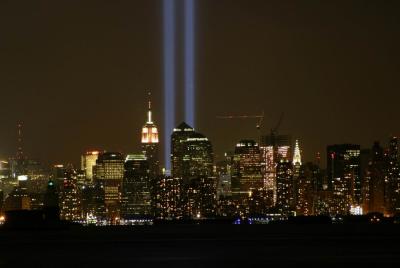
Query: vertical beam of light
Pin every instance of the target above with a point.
(169, 76)
(189, 61)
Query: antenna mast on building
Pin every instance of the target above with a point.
(20, 152)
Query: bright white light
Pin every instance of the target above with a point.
(22, 178)
(356, 210)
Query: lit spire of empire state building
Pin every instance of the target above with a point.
(150, 141)
(296, 155)
(149, 130)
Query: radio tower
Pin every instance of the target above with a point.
(20, 152)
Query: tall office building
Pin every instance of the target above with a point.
(343, 171)
(373, 185)
(167, 200)
(192, 153)
(178, 149)
(88, 161)
(342, 196)
(92, 202)
(198, 197)
(284, 187)
(307, 186)
(4, 170)
(296, 162)
(393, 178)
(109, 172)
(192, 160)
(268, 167)
(366, 156)
(297, 154)
(150, 143)
(225, 203)
(280, 143)
(7, 182)
(69, 198)
(38, 177)
(59, 173)
(246, 175)
(136, 202)
(273, 148)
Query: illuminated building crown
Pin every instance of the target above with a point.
(149, 130)
(297, 156)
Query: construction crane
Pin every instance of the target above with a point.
(259, 122)
(259, 117)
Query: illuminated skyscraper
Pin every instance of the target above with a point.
(69, 199)
(246, 175)
(281, 144)
(109, 172)
(284, 187)
(92, 201)
(150, 143)
(374, 182)
(393, 178)
(192, 153)
(136, 200)
(88, 161)
(4, 169)
(273, 148)
(59, 174)
(268, 167)
(168, 198)
(343, 170)
(307, 187)
(296, 169)
(38, 177)
(192, 161)
(199, 197)
(6, 181)
(297, 155)
(341, 200)
(178, 149)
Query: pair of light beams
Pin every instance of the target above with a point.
(169, 31)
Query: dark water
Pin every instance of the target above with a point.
(204, 246)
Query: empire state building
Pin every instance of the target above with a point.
(150, 142)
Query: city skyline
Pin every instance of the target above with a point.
(293, 144)
(199, 133)
(52, 78)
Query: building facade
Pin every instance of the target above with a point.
(88, 161)
(135, 199)
(343, 170)
(192, 153)
(109, 172)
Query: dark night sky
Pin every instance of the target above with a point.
(76, 72)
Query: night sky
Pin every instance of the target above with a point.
(76, 72)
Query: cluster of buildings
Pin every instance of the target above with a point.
(257, 179)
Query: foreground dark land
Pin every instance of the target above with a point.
(203, 245)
